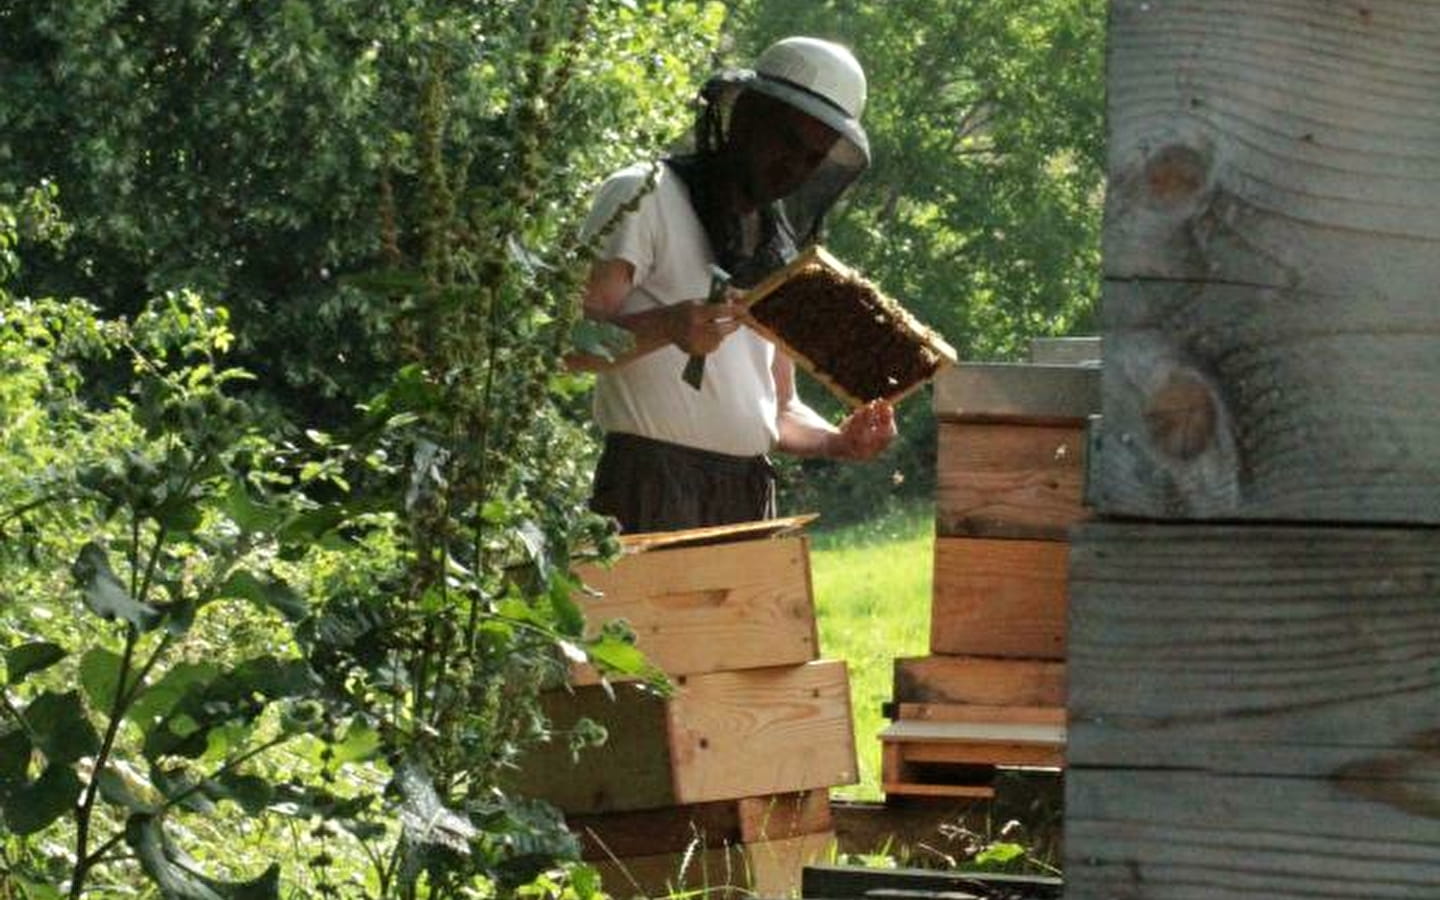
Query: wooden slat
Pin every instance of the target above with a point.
(1066, 351)
(645, 541)
(900, 776)
(915, 731)
(980, 680)
(999, 598)
(723, 736)
(1194, 835)
(866, 882)
(1017, 392)
(1008, 480)
(958, 791)
(1273, 689)
(1272, 246)
(739, 605)
(970, 743)
(670, 829)
(766, 731)
(969, 712)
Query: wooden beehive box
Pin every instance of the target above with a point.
(698, 607)
(728, 614)
(722, 736)
(859, 343)
(1010, 473)
(1010, 479)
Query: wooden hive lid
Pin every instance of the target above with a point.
(803, 349)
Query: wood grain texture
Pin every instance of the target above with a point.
(722, 736)
(1033, 394)
(739, 605)
(980, 680)
(1183, 835)
(1272, 246)
(1066, 351)
(1254, 711)
(977, 743)
(999, 598)
(1009, 480)
(968, 712)
(764, 731)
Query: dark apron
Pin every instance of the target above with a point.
(651, 485)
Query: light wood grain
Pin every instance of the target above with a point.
(980, 680)
(722, 736)
(765, 731)
(1066, 351)
(1271, 249)
(1254, 711)
(738, 605)
(999, 598)
(970, 712)
(1008, 480)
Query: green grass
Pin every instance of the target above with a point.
(872, 598)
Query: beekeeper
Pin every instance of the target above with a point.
(774, 148)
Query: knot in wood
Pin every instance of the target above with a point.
(1175, 174)
(1181, 415)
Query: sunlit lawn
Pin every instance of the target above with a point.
(872, 594)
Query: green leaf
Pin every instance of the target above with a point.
(999, 854)
(34, 890)
(178, 876)
(569, 618)
(617, 657)
(61, 729)
(154, 703)
(104, 593)
(361, 742)
(30, 658)
(100, 676)
(31, 807)
(248, 515)
(15, 750)
(424, 817)
(266, 592)
(126, 787)
(251, 792)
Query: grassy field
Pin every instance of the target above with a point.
(872, 595)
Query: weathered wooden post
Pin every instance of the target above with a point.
(1255, 615)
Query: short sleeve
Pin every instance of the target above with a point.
(627, 234)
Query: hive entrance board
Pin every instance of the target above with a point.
(859, 343)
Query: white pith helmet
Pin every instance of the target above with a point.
(821, 67)
(820, 78)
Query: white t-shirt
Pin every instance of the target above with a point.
(735, 409)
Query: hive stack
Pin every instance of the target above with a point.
(724, 785)
(1010, 467)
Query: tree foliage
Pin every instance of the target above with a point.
(242, 150)
(341, 616)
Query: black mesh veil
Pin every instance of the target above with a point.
(795, 220)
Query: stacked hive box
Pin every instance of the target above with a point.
(724, 784)
(1010, 471)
